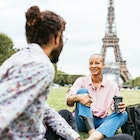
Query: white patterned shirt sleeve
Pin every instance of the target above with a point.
(58, 124)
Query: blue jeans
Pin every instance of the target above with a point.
(107, 125)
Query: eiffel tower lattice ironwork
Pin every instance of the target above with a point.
(111, 40)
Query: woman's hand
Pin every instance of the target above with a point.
(122, 107)
(85, 99)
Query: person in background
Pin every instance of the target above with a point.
(93, 95)
(26, 78)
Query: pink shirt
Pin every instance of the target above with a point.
(102, 96)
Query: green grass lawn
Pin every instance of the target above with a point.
(57, 98)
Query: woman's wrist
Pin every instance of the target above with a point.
(76, 99)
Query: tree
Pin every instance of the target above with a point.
(137, 82)
(6, 47)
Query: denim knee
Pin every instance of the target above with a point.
(82, 90)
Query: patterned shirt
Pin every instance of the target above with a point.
(25, 80)
(102, 96)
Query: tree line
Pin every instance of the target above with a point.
(63, 78)
(133, 83)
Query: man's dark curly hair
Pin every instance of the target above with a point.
(40, 26)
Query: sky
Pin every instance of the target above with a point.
(85, 28)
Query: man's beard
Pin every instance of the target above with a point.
(54, 56)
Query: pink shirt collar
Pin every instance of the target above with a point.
(102, 84)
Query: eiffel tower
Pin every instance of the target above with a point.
(111, 40)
